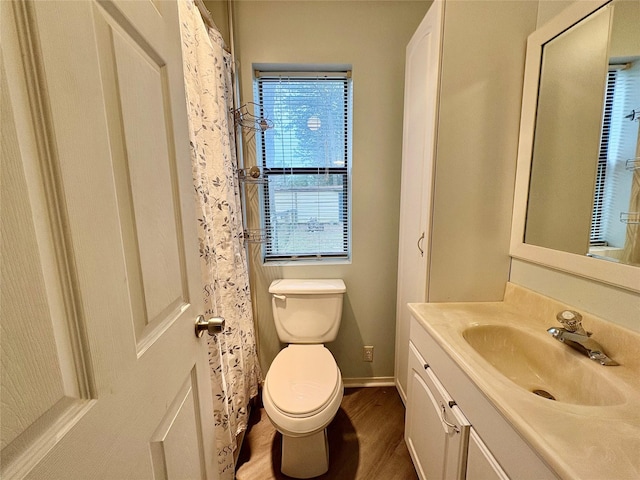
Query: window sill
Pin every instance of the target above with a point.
(307, 262)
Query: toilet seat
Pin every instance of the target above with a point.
(302, 379)
(303, 389)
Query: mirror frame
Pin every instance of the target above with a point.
(620, 275)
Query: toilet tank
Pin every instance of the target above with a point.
(307, 310)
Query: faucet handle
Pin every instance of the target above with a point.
(572, 321)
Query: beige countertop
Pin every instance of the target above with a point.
(579, 440)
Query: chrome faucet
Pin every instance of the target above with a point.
(574, 335)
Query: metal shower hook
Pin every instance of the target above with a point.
(249, 121)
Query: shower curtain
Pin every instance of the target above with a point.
(235, 372)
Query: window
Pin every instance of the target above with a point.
(305, 161)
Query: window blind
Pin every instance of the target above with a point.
(618, 146)
(597, 215)
(305, 160)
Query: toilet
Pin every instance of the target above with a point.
(303, 387)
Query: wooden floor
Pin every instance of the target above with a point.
(365, 441)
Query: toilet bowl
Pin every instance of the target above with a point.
(302, 393)
(303, 388)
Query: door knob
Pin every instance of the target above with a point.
(212, 326)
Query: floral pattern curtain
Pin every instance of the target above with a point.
(235, 372)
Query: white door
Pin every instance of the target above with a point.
(422, 73)
(102, 375)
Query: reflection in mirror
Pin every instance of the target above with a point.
(584, 188)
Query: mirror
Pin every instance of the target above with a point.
(577, 201)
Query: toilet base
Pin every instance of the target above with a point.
(305, 457)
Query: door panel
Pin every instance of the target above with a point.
(149, 218)
(21, 264)
(45, 387)
(102, 374)
(149, 161)
(176, 446)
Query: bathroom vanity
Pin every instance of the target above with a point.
(442, 438)
(492, 395)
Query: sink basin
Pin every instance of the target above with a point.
(551, 371)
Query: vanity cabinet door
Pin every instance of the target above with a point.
(457, 442)
(481, 464)
(436, 432)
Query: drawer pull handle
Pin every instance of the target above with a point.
(453, 426)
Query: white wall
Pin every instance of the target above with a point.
(371, 36)
(478, 123)
(605, 301)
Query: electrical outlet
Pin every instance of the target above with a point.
(367, 354)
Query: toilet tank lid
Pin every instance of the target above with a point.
(307, 286)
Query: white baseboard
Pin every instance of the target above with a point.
(369, 382)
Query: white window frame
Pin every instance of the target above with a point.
(270, 254)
